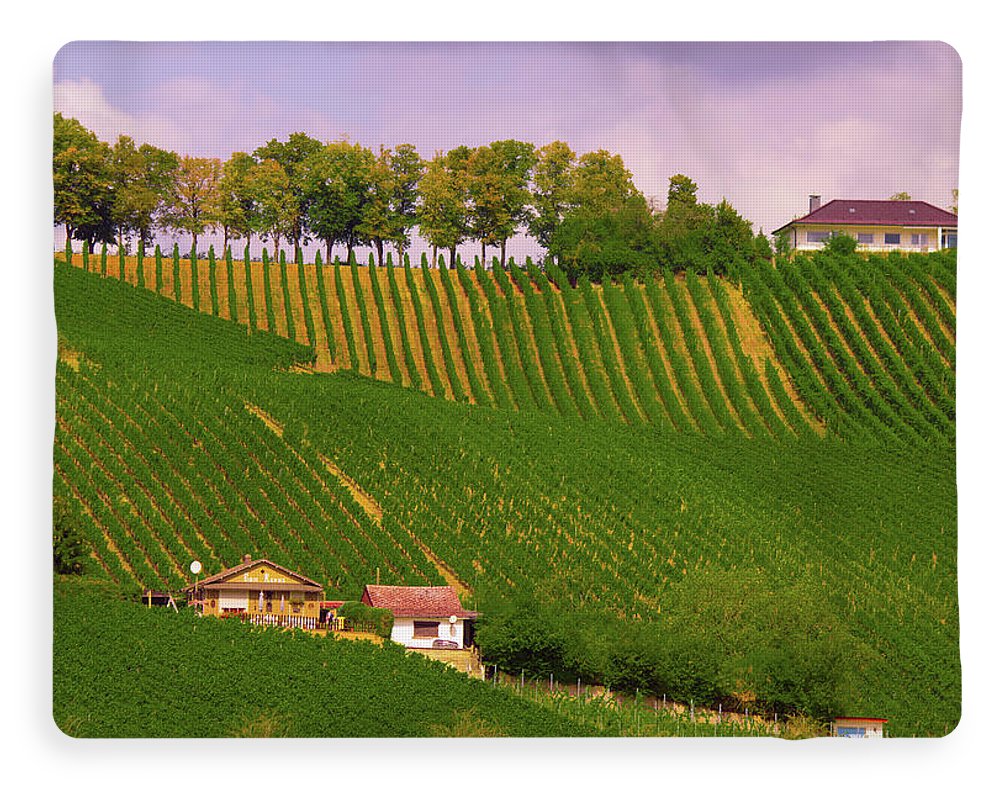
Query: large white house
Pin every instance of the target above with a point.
(910, 226)
(424, 617)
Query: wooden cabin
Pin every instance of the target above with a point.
(261, 592)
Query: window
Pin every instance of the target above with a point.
(892, 238)
(918, 240)
(950, 239)
(425, 628)
(817, 237)
(866, 238)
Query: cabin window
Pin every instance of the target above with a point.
(425, 628)
(817, 237)
(892, 238)
(918, 240)
(866, 238)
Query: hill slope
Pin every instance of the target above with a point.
(603, 523)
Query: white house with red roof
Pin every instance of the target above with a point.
(424, 617)
(909, 226)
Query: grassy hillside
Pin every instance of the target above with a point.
(607, 525)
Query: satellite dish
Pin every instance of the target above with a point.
(453, 619)
(195, 567)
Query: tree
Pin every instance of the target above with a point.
(498, 190)
(681, 194)
(900, 196)
(607, 228)
(234, 204)
(144, 179)
(292, 156)
(442, 214)
(82, 182)
(274, 206)
(195, 203)
(550, 197)
(954, 207)
(337, 184)
(407, 167)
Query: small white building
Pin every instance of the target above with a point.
(424, 617)
(859, 727)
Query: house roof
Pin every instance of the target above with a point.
(877, 212)
(435, 601)
(860, 719)
(222, 578)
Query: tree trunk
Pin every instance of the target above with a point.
(329, 250)
(483, 257)
(350, 252)
(434, 254)
(380, 249)
(194, 244)
(451, 257)
(225, 238)
(503, 254)
(276, 240)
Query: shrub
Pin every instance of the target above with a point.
(363, 617)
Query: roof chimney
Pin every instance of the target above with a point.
(246, 558)
(814, 203)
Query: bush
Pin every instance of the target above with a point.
(365, 618)
(69, 549)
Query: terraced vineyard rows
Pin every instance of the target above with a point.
(515, 340)
(869, 343)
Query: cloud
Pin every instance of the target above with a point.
(84, 100)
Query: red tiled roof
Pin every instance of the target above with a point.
(861, 719)
(438, 601)
(878, 212)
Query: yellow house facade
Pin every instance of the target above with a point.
(876, 226)
(261, 592)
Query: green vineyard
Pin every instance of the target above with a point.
(588, 453)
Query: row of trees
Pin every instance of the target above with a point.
(584, 210)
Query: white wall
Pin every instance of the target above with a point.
(402, 632)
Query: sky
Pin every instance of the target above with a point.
(763, 125)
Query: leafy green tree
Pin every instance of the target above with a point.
(682, 194)
(552, 181)
(900, 196)
(442, 214)
(607, 227)
(195, 201)
(144, 179)
(234, 204)
(82, 181)
(292, 156)
(337, 181)
(498, 176)
(273, 204)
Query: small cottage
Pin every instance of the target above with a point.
(261, 592)
(424, 617)
(859, 727)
